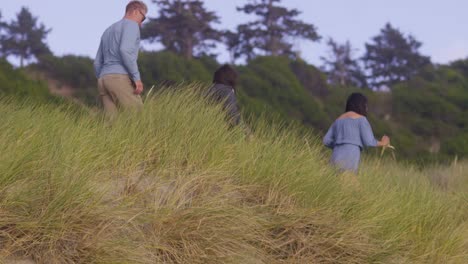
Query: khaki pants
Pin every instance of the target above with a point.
(116, 91)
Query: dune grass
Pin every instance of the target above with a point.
(173, 184)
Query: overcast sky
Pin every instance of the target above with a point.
(442, 26)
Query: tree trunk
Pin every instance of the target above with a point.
(188, 53)
(188, 38)
(271, 42)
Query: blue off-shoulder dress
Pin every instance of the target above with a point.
(347, 137)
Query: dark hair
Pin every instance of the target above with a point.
(357, 102)
(225, 75)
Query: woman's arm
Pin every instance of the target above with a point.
(368, 139)
(329, 139)
(367, 135)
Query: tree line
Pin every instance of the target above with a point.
(187, 28)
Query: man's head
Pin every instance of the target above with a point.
(225, 75)
(136, 11)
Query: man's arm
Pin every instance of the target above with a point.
(98, 61)
(129, 47)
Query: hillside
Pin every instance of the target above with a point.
(173, 184)
(426, 117)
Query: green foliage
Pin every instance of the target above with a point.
(430, 114)
(24, 37)
(14, 83)
(313, 80)
(271, 81)
(271, 33)
(461, 65)
(456, 146)
(427, 107)
(3, 26)
(393, 57)
(183, 27)
(158, 68)
(433, 106)
(210, 63)
(169, 68)
(341, 67)
(293, 92)
(173, 184)
(76, 72)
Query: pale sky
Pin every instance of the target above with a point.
(442, 26)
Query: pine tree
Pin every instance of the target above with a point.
(184, 27)
(25, 38)
(272, 33)
(341, 68)
(2, 37)
(393, 57)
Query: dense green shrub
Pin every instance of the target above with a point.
(15, 83)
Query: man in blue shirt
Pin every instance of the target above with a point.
(119, 82)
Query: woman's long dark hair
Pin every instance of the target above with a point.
(357, 102)
(225, 75)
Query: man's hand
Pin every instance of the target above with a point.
(138, 87)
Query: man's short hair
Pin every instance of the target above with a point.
(225, 75)
(136, 5)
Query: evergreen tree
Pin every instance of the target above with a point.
(2, 36)
(25, 38)
(393, 57)
(340, 66)
(272, 33)
(184, 27)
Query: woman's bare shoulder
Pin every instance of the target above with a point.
(350, 114)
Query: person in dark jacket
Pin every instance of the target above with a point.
(223, 91)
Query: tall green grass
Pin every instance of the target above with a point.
(173, 184)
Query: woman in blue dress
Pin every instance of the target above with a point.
(350, 133)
